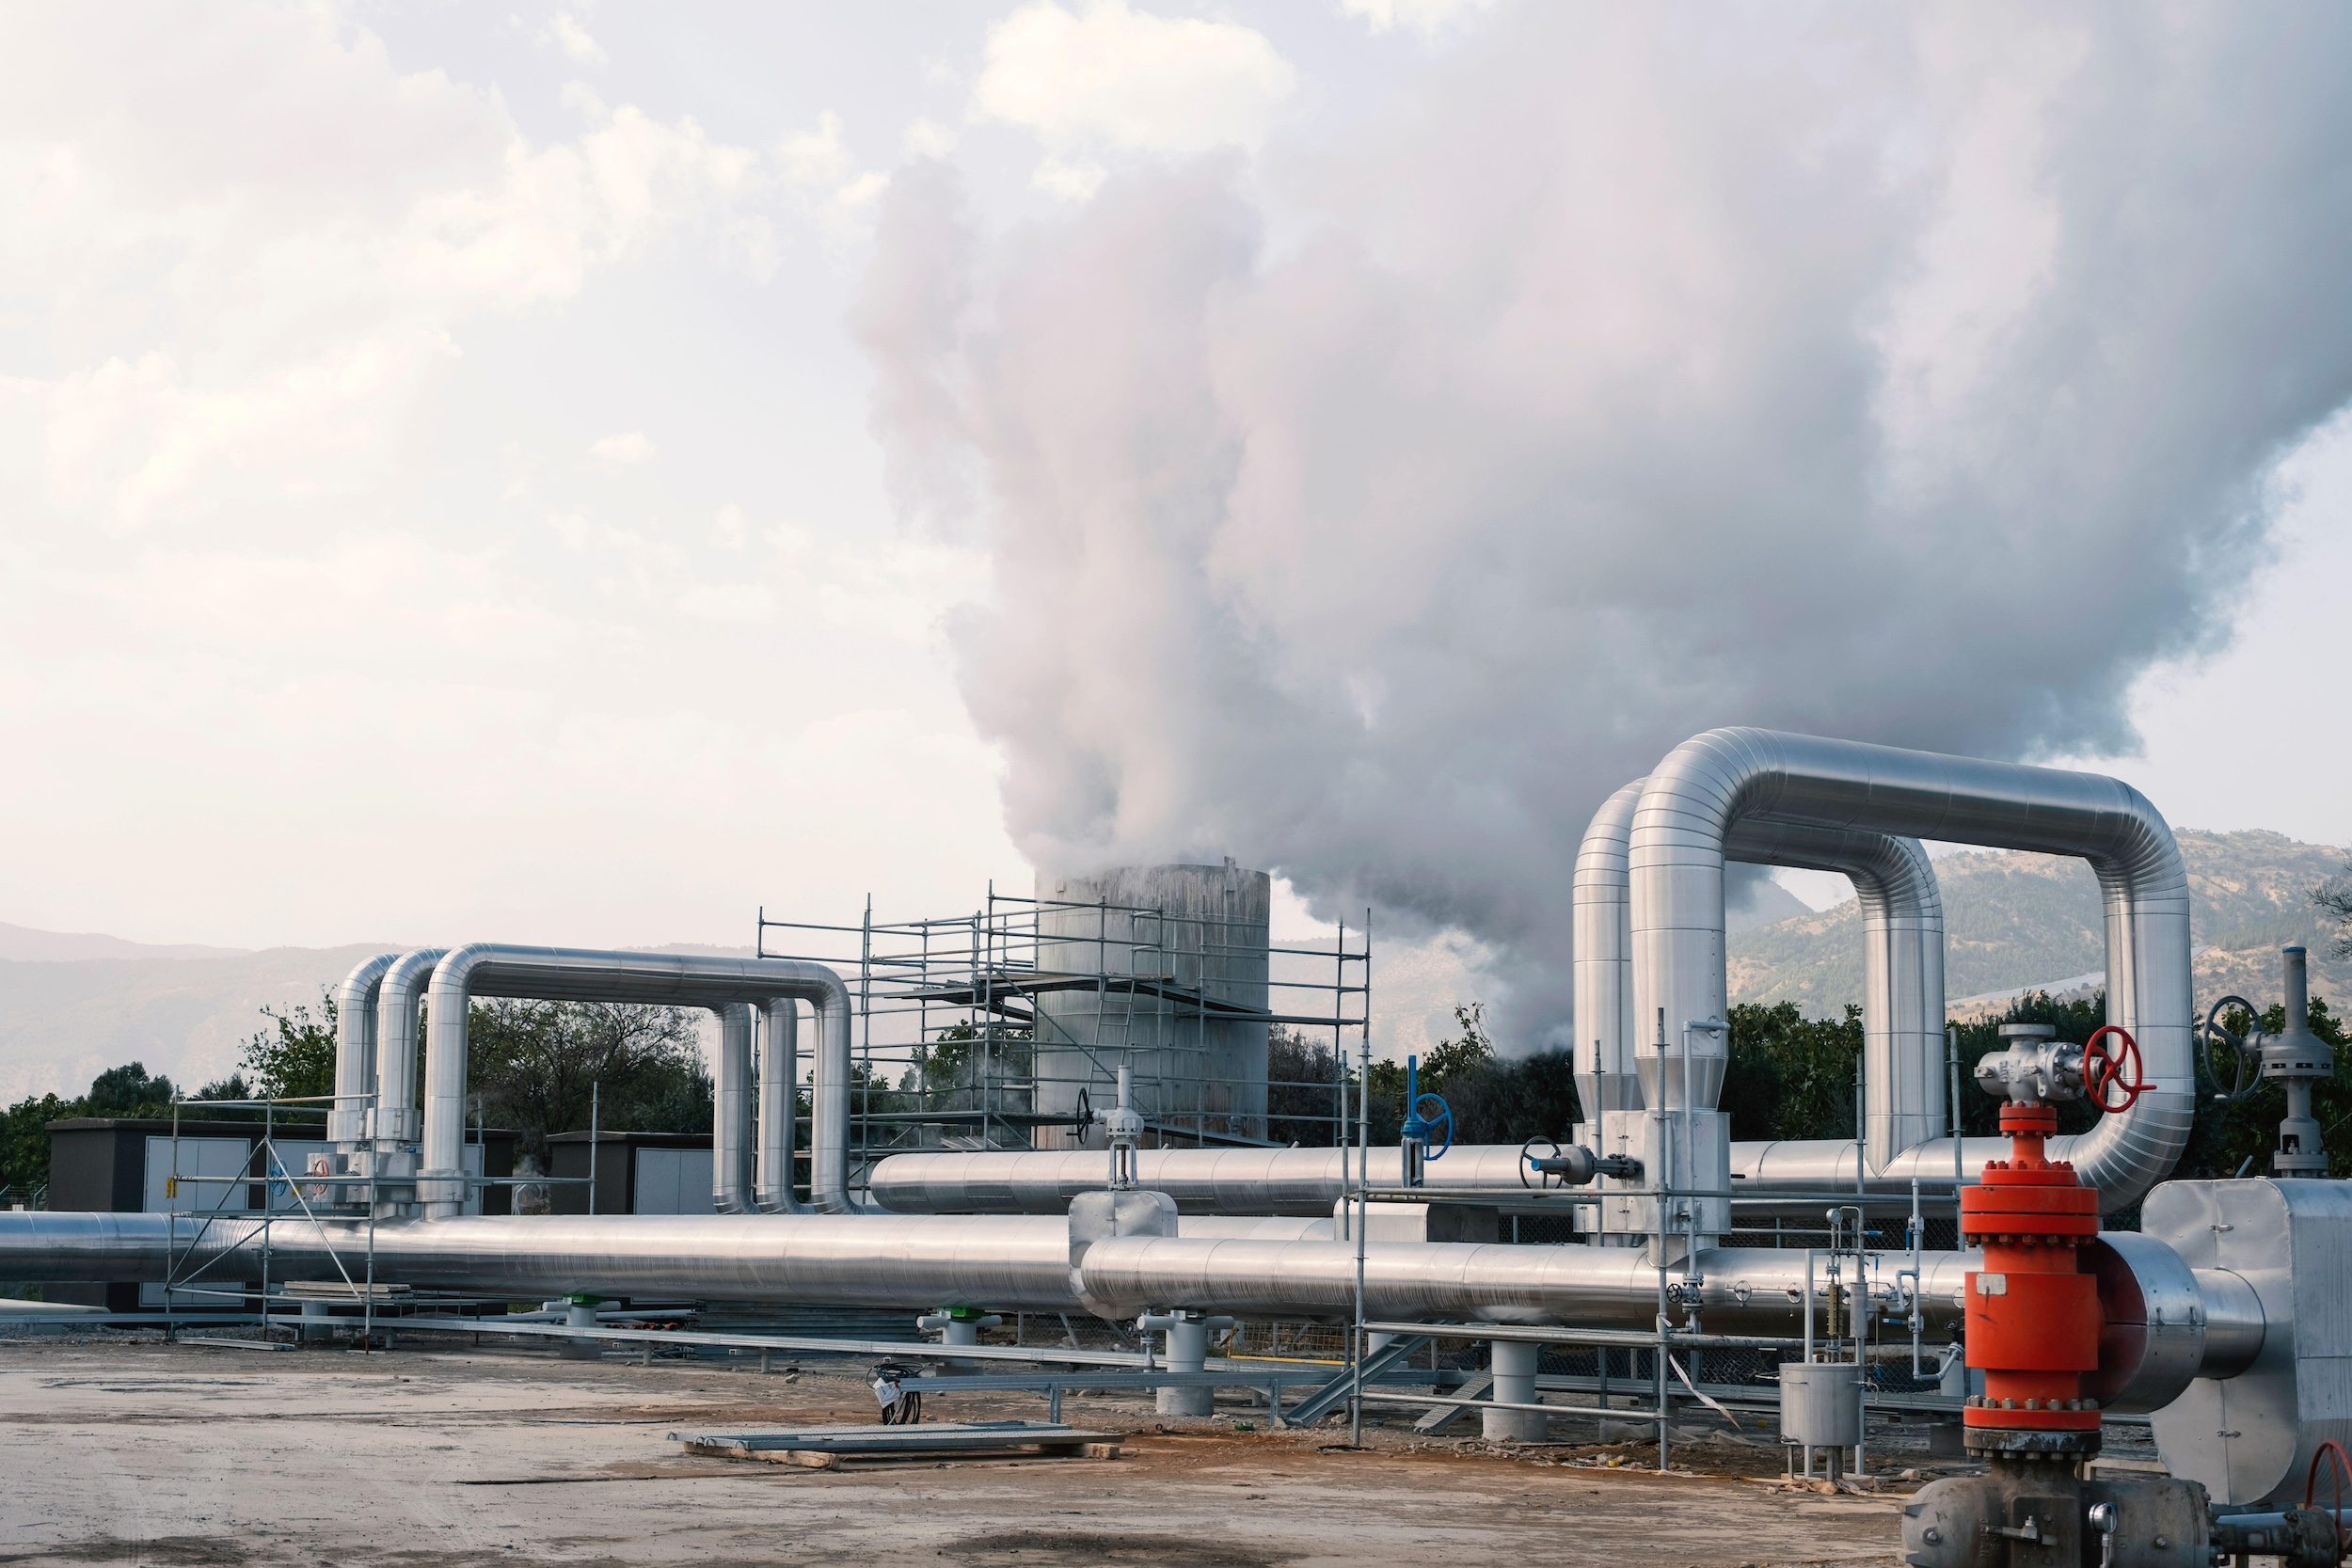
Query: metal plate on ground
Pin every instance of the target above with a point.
(825, 1447)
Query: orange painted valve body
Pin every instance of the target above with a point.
(2032, 1317)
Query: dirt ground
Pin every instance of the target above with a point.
(115, 1453)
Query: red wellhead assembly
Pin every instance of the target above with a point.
(2032, 1314)
(2033, 1324)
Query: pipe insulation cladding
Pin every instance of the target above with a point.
(779, 1109)
(399, 1123)
(2209, 1326)
(667, 979)
(355, 1052)
(1686, 817)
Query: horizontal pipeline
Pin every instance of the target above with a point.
(1273, 1267)
(1311, 1180)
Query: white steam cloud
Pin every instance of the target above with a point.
(1371, 509)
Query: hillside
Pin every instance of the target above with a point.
(63, 1020)
(2015, 922)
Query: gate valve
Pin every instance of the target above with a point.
(1552, 1165)
(1422, 1126)
(2033, 1316)
(2241, 1050)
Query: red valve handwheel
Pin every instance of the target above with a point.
(2105, 1071)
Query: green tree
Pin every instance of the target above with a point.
(1791, 1076)
(1303, 1094)
(128, 1091)
(232, 1087)
(537, 1067)
(951, 1071)
(1494, 1098)
(25, 1139)
(294, 1057)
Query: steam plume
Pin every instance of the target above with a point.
(1370, 511)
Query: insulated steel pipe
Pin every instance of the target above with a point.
(1020, 1262)
(842, 1260)
(399, 1004)
(583, 975)
(1711, 782)
(1602, 917)
(1902, 986)
(2174, 1323)
(731, 1113)
(779, 1097)
(1201, 1180)
(1903, 924)
(354, 1051)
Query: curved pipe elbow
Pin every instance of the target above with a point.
(1675, 869)
(355, 1050)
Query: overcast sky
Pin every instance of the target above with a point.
(577, 473)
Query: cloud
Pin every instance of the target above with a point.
(728, 601)
(1109, 76)
(625, 449)
(304, 342)
(1070, 180)
(294, 277)
(928, 138)
(1428, 17)
(818, 165)
(566, 34)
(1913, 376)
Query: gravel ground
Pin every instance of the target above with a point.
(148, 1454)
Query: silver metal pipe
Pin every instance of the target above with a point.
(1020, 1262)
(1602, 926)
(1298, 1182)
(1903, 970)
(829, 1100)
(731, 1113)
(1903, 987)
(779, 1107)
(1713, 780)
(354, 1051)
(2208, 1326)
(589, 975)
(2235, 1323)
(399, 1001)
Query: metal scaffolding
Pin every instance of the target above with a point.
(955, 1018)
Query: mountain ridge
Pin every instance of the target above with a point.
(2014, 923)
(2017, 922)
